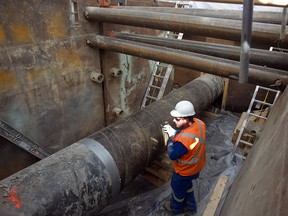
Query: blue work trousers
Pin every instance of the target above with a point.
(183, 193)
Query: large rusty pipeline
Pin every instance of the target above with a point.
(258, 16)
(208, 64)
(257, 56)
(267, 34)
(82, 178)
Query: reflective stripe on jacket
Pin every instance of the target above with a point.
(192, 138)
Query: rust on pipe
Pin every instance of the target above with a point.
(257, 56)
(266, 34)
(208, 64)
(258, 16)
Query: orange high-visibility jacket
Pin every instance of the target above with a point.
(193, 138)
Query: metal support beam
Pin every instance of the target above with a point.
(205, 26)
(208, 64)
(257, 56)
(245, 40)
(82, 178)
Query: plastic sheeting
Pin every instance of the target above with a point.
(142, 198)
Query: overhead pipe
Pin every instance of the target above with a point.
(267, 34)
(245, 40)
(257, 56)
(82, 178)
(208, 64)
(258, 16)
(284, 23)
(256, 2)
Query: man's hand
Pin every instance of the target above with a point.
(169, 130)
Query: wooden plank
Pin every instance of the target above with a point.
(152, 179)
(225, 93)
(211, 114)
(216, 196)
(159, 172)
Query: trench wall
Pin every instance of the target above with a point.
(261, 185)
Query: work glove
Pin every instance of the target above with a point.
(169, 130)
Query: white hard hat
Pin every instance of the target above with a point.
(183, 109)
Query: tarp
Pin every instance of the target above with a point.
(141, 198)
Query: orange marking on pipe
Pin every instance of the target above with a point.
(13, 197)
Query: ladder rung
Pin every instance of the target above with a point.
(240, 156)
(162, 64)
(158, 76)
(268, 89)
(153, 86)
(257, 116)
(245, 142)
(154, 98)
(262, 102)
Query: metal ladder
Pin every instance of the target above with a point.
(248, 114)
(161, 71)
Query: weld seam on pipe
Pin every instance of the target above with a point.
(101, 152)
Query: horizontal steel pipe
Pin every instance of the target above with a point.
(256, 2)
(257, 56)
(208, 64)
(267, 34)
(258, 16)
(82, 178)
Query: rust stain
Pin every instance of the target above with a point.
(33, 74)
(57, 25)
(21, 32)
(2, 35)
(7, 79)
(13, 197)
(68, 57)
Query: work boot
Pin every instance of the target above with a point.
(190, 211)
(168, 208)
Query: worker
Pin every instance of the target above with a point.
(186, 148)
